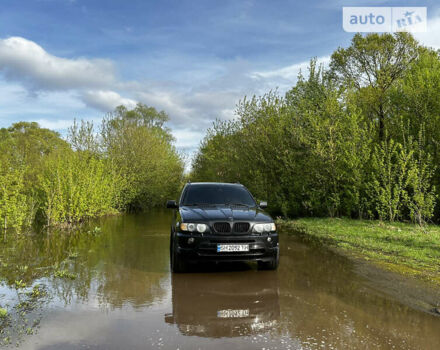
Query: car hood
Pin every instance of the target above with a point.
(223, 213)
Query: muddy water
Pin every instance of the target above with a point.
(111, 288)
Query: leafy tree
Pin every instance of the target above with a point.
(23, 148)
(26, 144)
(83, 138)
(421, 196)
(415, 96)
(14, 206)
(389, 176)
(371, 65)
(139, 146)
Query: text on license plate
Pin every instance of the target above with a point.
(232, 248)
(233, 313)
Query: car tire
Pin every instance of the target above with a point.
(177, 264)
(270, 265)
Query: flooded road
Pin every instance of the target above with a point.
(110, 287)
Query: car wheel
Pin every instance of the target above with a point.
(270, 265)
(176, 262)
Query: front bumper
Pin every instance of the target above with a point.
(204, 247)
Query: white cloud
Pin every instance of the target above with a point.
(54, 109)
(431, 38)
(106, 100)
(187, 138)
(59, 124)
(25, 61)
(290, 73)
(171, 101)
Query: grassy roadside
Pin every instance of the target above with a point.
(400, 247)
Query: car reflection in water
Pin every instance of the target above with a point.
(225, 304)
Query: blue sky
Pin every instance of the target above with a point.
(66, 59)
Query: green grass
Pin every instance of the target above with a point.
(3, 312)
(401, 247)
(64, 274)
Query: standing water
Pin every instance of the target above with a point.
(110, 287)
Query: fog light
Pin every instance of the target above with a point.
(269, 239)
(190, 240)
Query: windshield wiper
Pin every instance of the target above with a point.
(239, 205)
(217, 205)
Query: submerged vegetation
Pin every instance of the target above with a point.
(103, 260)
(359, 138)
(128, 164)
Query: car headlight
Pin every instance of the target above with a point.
(260, 228)
(191, 227)
(202, 228)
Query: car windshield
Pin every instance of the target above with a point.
(218, 194)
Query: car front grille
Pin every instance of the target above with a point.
(241, 227)
(222, 227)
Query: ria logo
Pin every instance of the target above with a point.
(384, 19)
(411, 18)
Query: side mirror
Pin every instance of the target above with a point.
(172, 205)
(263, 205)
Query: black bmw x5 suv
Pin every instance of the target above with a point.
(221, 222)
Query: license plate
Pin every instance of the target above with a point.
(233, 313)
(232, 248)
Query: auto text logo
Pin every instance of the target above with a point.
(384, 19)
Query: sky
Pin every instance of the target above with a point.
(67, 59)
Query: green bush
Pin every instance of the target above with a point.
(75, 186)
